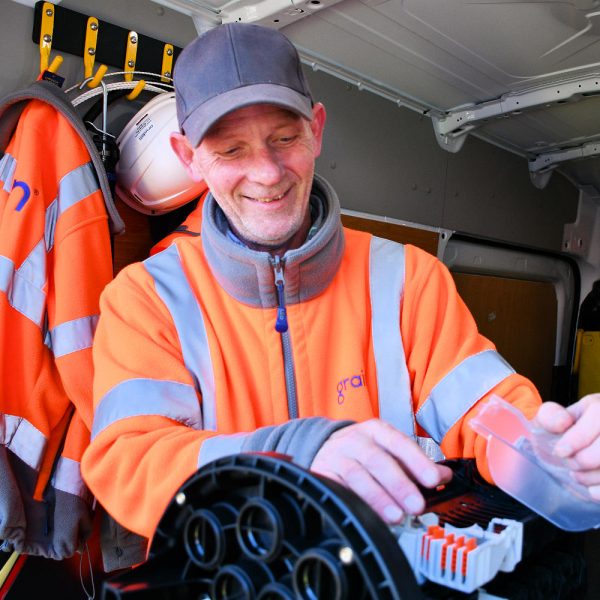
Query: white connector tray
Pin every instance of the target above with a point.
(463, 559)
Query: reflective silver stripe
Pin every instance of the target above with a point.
(73, 187)
(72, 336)
(7, 269)
(8, 164)
(430, 448)
(67, 478)
(458, 391)
(143, 397)
(219, 446)
(386, 289)
(50, 226)
(27, 295)
(23, 294)
(174, 290)
(33, 268)
(23, 439)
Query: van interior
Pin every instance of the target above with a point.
(467, 127)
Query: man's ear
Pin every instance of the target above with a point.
(185, 152)
(317, 125)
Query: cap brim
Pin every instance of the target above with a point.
(207, 114)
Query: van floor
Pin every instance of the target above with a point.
(45, 578)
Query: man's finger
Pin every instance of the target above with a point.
(587, 459)
(583, 434)
(362, 482)
(587, 478)
(382, 465)
(408, 453)
(553, 417)
(394, 479)
(578, 408)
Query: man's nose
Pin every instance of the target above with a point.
(267, 167)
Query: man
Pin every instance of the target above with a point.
(279, 330)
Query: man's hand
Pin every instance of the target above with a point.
(580, 442)
(380, 464)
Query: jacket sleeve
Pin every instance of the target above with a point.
(147, 436)
(80, 266)
(452, 367)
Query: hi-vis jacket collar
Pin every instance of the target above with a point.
(248, 275)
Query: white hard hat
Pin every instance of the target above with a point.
(150, 177)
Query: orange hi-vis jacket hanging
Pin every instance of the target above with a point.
(55, 259)
(209, 348)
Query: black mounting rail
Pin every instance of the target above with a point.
(69, 36)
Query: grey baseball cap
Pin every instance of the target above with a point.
(233, 66)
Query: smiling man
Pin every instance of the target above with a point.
(259, 162)
(278, 329)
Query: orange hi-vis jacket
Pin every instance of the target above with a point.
(55, 259)
(209, 348)
(189, 228)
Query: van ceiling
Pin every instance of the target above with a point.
(530, 68)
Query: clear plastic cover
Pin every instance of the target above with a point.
(522, 462)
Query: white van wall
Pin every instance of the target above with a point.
(382, 159)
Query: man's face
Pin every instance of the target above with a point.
(259, 162)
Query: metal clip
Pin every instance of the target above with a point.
(46, 32)
(89, 54)
(130, 55)
(167, 63)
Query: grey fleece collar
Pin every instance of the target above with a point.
(248, 275)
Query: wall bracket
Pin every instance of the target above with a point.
(542, 166)
(452, 127)
(69, 36)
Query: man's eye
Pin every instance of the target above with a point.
(229, 152)
(286, 140)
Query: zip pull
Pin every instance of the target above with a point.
(281, 324)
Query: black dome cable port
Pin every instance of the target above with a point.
(259, 527)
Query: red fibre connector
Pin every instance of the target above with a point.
(434, 532)
(458, 544)
(470, 545)
(448, 542)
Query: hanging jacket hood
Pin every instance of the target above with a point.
(12, 106)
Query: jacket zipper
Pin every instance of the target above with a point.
(281, 326)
